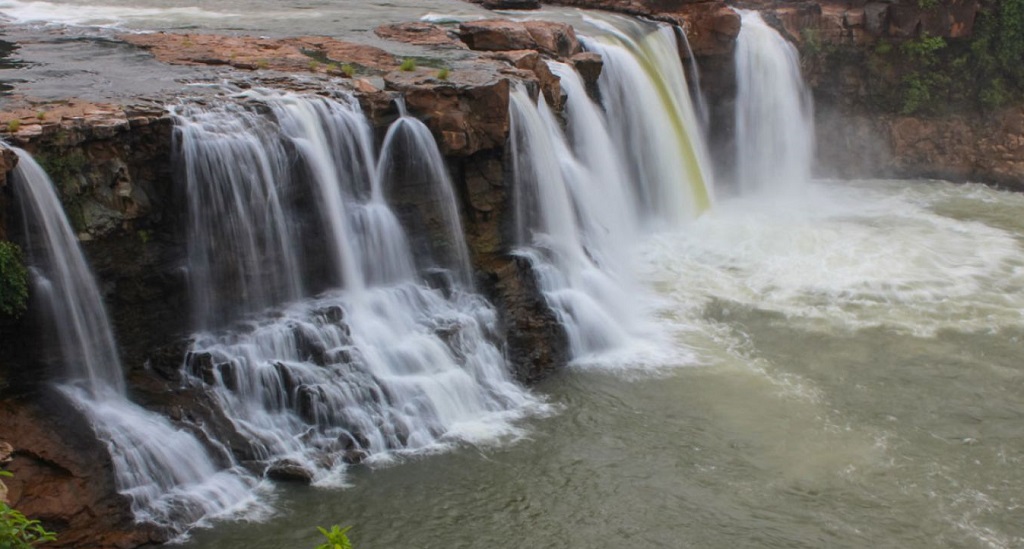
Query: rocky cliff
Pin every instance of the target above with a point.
(112, 164)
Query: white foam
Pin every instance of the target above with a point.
(849, 257)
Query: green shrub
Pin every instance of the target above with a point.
(443, 74)
(19, 532)
(408, 64)
(13, 280)
(13, 125)
(337, 538)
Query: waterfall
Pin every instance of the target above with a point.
(619, 171)
(382, 363)
(695, 88)
(249, 259)
(170, 477)
(651, 116)
(557, 219)
(774, 118)
(409, 156)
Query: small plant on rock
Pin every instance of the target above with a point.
(18, 531)
(337, 538)
(443, 74)
(13, 125)
(408, 65)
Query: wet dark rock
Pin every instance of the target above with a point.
(354, 457)
(288, 470)
(228, 375)
(201, 365)
(308, 400)
(333, 314)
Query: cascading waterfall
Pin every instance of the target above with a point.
(252, 262)
(410, 156)
(169, 475)
(553, 216)
(774, 111)
(651, 116)
(384, 363)
(584, 196)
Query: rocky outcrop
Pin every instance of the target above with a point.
(111, 166)
(301, 54)
(419, 34)
(959, 147)
(63, 476)
(553, 39)
(863, 22)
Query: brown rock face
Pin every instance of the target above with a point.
(468, 112)
(554, 39)
(302, 54)
(418, 33)
(957, 147)
(64, 478)
(537, 343)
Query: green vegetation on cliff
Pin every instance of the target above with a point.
(13, 280)
(932, 74)
(986, 70)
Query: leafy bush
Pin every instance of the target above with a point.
(19, 532)
(408, 64)
(337, 538)
(13, 280)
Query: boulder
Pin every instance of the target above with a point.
(289, 470)
(419, 33)
(554, 39)
(466, 113)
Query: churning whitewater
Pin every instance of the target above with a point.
(377, 364)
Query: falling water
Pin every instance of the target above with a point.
(651, 116)
(381, 365)
(584, 196)
(409, 156)
(774, 119)
(169, 476)
(235, 266)
(695, 88)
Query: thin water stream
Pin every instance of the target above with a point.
(822, 408)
